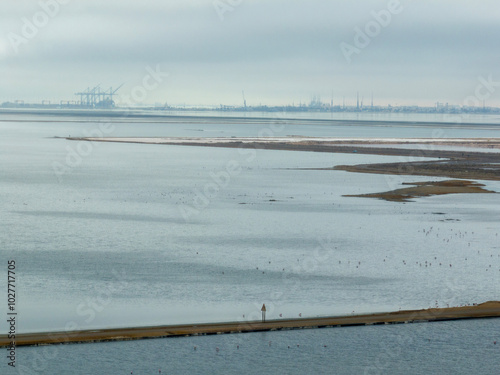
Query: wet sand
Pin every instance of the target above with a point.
(489, 309)
(426, 189)
(452, 164)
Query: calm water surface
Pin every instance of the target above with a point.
(108, 235)
(462, 347)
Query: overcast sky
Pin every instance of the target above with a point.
(277, 51)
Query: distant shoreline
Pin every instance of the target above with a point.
(271, 117)
(489, 309)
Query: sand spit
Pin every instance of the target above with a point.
(462, 142)
(455, 168)
(426, 189)
(485, 310)
(456, 164)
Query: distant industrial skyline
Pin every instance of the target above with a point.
(97, 98)
(278, 52)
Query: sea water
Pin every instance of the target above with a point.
(134, 234)
(459, 347)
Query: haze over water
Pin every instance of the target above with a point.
(106, 244)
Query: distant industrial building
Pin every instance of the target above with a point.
(97, 98)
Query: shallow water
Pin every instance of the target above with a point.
(460, 347)
(108, 235)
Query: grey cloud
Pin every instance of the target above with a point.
(272, 45)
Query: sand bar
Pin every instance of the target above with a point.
(426, 189)
(456, 164)
(489, 309)
(470, 142)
